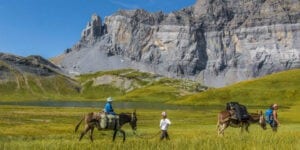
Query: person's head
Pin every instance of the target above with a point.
(164, 114)
(109, 99)
(275, 106)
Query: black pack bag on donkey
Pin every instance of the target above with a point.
(241, 112)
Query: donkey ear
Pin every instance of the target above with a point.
(134, 110)
(260, 112)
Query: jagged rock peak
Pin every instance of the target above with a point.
(93, 29)
(90, 34)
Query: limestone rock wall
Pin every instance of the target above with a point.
(216, 42)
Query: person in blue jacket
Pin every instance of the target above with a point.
(272, 116)
(107, 115)
(108, 106)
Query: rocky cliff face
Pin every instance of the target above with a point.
(216, 42)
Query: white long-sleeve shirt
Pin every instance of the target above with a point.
(164, 123)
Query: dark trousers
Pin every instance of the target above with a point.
(164, 134)
(274, 125)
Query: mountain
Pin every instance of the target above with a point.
(215, 42)
(33, 78)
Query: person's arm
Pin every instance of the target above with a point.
(160, 123)
(169, 122)
(275, 117)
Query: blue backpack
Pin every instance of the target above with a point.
(269, 115)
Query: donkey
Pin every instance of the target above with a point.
(92, 120)
(225, 120)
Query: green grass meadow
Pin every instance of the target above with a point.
(282, 88)
(25, 127)
(193, 121)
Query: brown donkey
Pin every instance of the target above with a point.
(92, 121)
(225, 120)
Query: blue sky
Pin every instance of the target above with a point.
(48, 27)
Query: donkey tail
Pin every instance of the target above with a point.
(77, 126)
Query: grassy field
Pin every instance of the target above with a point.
(193, 121)
(53, 128)
(132, 85)
(282, 87)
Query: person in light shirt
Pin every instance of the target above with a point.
(164, 124)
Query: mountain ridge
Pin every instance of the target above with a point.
(33, 77)
(214, 42)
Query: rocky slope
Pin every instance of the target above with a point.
(31, 65)
(133, 85)
(215, 42)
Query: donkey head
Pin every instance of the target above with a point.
(133, 121)
(262, 121)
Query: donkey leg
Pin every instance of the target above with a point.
(91, 135)
(86, 129)
(222, 128)
(115, 133)
(124, 136)
(218, 129)
(218, 126)
(242, 127)
(247, 127)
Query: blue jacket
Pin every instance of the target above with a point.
(269, 115)
(108, 108)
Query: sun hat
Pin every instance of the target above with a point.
(164, 113)
(109, 99)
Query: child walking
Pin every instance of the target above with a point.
(164, 123)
